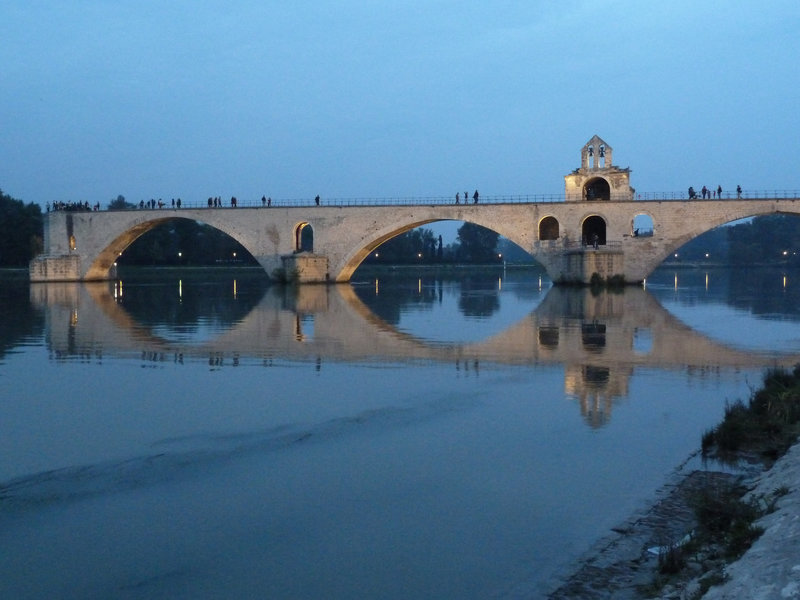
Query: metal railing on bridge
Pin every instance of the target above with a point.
(426, 200)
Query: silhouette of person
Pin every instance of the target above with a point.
(719, 191)
(316, 200)
(738, 191)
(458, 198)
(475, 197)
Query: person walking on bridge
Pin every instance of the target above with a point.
(475, 197)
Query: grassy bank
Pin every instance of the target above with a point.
(760, 430)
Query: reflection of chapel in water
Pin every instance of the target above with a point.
(588, 332)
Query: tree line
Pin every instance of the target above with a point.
(21, 228)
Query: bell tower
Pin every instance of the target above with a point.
(598, 179)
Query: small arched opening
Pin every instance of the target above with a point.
(596, 189)
(642, 226)
(593, 231)
(303, 238)
(548, 229)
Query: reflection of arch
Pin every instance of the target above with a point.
(593, 336)
(304, 238)
(596, 189)
(548, 336)
(591, 227)
(548, 228)
(642, 225)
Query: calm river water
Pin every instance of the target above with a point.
(406, 436)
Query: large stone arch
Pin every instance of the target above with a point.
(697, 227)
(369, 243)
(107, 257)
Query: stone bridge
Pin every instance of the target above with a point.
(592, 231)
(84, 246)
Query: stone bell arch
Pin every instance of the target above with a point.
(598, 179)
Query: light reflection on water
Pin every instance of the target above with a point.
(431, 436)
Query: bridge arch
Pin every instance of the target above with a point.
(372, 240)
(548, 228)
(698, 227)
(116, 247)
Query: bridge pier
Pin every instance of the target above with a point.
(63, 267)
(305, 267)
(583, 263)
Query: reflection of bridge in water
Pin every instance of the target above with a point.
(600, 339)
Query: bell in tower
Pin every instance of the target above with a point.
(597, 179)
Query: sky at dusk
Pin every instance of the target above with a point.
(353, 99)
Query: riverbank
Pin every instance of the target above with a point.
(679, 547)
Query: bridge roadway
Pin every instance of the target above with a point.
(600, 339)
(83, 246)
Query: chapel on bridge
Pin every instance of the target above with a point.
(598, 179)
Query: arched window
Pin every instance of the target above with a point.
(593, 231)
(548, 229)
(642, 226)
(597, 189)
(304, 238)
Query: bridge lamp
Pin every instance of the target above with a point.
(377, 255)
(676, 255)
(706, 254)
(234, 255)
(785, 252)
(419, 254)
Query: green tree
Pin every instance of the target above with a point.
(187, 242)
(768, 239)
(414, 246)
(21, 230)
(119, 203)
(477, 244)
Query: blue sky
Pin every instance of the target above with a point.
(348, 99)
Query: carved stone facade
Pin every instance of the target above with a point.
(598, 179)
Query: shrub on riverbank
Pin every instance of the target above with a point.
(725, 515)
(766, 426)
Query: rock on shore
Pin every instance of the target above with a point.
(770, 569)
(621, 568)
